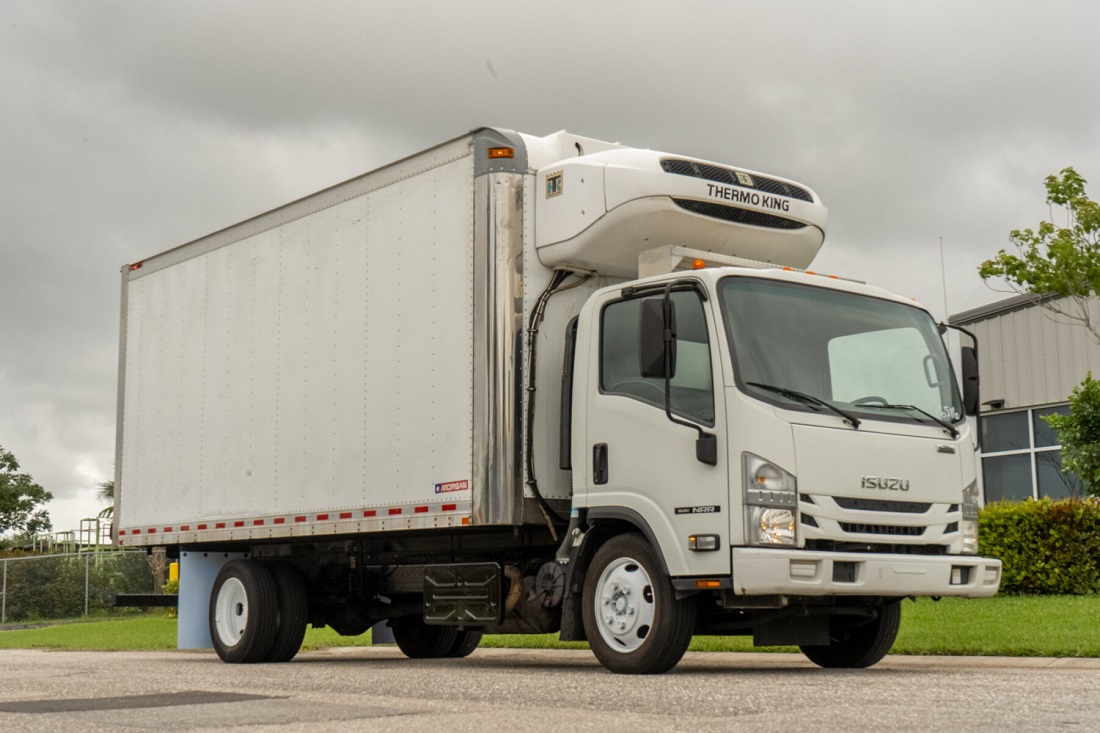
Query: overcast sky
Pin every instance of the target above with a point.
(131, 127)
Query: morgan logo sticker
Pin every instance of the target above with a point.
(450, 486)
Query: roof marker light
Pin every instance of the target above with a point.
(501, 153)
(698, 265)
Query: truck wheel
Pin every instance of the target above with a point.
(293, 607)
(465, 643)
(861, 646)
(243, 612)
(634, 623)
(418, 640)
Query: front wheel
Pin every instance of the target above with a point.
(859, 646)
(632, 618)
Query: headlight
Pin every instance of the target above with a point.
(969, 525)
(771, 526)
(771, 498)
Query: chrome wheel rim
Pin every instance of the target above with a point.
(624, 605)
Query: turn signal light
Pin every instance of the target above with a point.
(703, 542)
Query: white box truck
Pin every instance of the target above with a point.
(542, 384)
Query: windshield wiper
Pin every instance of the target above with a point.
(942, 423)
(809, 400)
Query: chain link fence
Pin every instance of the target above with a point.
(52, 587)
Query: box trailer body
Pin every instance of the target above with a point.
(387, 399)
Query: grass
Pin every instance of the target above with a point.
(1048, 626)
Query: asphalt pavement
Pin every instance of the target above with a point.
(376, 688)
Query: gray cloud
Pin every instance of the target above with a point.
(129, 128)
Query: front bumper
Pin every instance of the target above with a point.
(792, 572)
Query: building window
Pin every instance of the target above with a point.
(1022, 458)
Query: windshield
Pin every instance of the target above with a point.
(864, 355)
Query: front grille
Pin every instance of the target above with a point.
(729, 177)
(883, 505)
(834, 546)
(887, 529)
(739, 216)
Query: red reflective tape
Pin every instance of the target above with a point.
(280, 520)
(121, 532)
(299, 519)
(201, 526)
(370, 513)
(449, 507)
(135, 531)
(151, 530)
(167, 529)
(121, 542)
(395, 511)
(238, 523)
(345, 515)
(219, 525)
(421, 509)
(257, 522)
(185, 528)
(322, 517)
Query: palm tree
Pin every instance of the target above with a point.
(105, 493)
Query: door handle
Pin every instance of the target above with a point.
(599, 463)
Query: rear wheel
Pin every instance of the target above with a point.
(418, 640)
(632, 618)
(243, 614)
(860, 646)
(293, 610)
(465, 642)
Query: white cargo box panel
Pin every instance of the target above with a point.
(308, 371)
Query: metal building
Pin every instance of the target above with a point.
(1031, 359)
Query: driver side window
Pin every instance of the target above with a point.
(692, 390)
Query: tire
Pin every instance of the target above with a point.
(861, 646)
(465, 642)
(243, 612)
(633, 621)
(293, 610)
(418, 640)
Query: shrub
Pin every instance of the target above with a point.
(1047, 547)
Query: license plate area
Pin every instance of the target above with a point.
(463, 594)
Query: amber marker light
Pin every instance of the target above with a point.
(135, 266)
(708, 584)
(501, 153)
(703, 542)
(698, 265)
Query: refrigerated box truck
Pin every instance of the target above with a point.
(542, 384)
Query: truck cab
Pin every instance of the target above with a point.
(793, 445)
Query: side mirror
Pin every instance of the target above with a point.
(657, 338)
(970, 379)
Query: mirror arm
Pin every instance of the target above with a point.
(706, 445)
(974, 341)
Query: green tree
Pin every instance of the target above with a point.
(1059, 263)
(21, 499)
(1079, 432)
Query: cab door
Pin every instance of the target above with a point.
(641, 465)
